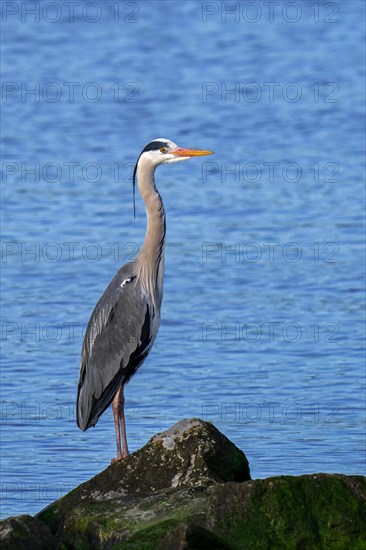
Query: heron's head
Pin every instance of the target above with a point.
(164, 151)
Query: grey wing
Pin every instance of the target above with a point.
(116, 342)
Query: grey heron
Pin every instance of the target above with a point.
(125, 321)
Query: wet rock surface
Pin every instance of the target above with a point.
(190, 488)
(26, 533)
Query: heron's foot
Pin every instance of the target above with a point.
(119, 458)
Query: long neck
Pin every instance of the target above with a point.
(150, 261)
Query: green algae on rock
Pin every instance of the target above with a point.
(25, 533)
(192, 453)
(190, 488)
(315, 512)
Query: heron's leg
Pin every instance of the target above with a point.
(122, 421)
(115, 408)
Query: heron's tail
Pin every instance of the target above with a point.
(89, 408)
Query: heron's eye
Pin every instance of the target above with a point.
(163, 150)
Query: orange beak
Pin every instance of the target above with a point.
(182, 152)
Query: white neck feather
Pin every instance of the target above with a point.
(150, 260)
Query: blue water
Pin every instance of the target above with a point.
(262, 320)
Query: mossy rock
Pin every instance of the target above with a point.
(189, 488)
(318, 511)
(25, 533)
(192, 453)
(315, 512)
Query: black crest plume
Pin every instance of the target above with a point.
(134, 189)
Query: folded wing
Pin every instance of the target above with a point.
(117, 340)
